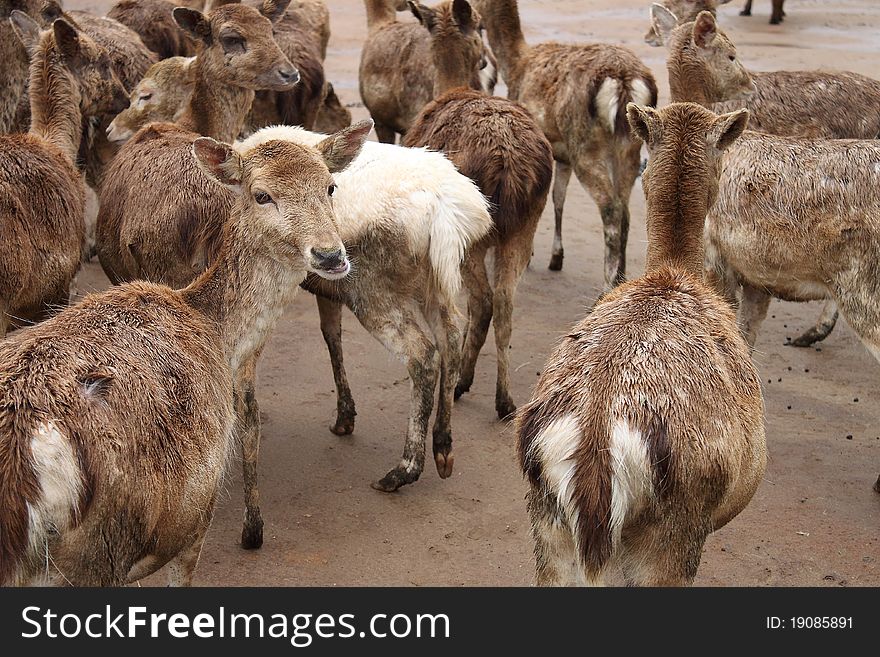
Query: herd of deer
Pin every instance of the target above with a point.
(120, 413)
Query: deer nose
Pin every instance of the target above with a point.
(289, 75)
(329, 259)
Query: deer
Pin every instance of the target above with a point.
(645, 432)
(114, 440)
(43, 202)
(577, 94)
(130, 59)
(332, 114)
(408, 237)
(153, 199)
(787, 103)
(777, 13)
(495, 142)
(796, 218)
(685, 11)
(396, 76)
(162, 95)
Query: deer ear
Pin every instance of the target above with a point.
(705, 29)
(219, 162)
(67, 39)
(727, 128)
(194, 23)
(663, 21)
(340, 149)
(464, 15)
(425, 15)
(644, 123)
(274, 9)
(26, 29)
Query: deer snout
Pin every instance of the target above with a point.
(285, 77)
(117, 133)
(329, 263)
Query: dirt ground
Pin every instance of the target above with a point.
(815, 519)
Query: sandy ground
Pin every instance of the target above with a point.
(814, 521)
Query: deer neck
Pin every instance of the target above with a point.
(379, 13)
(688, 79)
(215, 109)
(501, 18)
(55, 103)
(675, 220)
(451, 72)
(244, 291)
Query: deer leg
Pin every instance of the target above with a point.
(480, 297)
(385, 134)
(560, 187)
(752, 311)
(747, 10)
(511, 258)
(443, 323)
(592, 173)
(556, 559)
(331, 328)
(777, 14)
(822, 329)
(248, 412)
(399, 331)
(182, 567)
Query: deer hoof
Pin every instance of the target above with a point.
(344, 426)
(460, 389)
(556, 262)
(394, 479)
(444, 464)
(252, 536)
(505, 408)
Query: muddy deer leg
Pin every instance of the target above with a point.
(448, 336)
(556, 558)
(593, 175)
(511, 259)
(560, 187)
(752, 311)
(385, 134)
(747, 10)
(401, 334)
(331, 328)
(822, 329)
(480, 296)
(248, 412)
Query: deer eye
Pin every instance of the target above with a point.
(732, 58)
(263, 198)
(330, 190)
(232, 43)
(145, 96)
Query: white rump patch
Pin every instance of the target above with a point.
(639, 92)
(631, 476)
(555, 447)
(60, 480)
(607, 101)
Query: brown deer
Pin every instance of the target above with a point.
(43, 200)
(646, 430)
(396, 74)
(797, 219)
(786, 103)
(130, 59)
(154, 201)
(162, 95)
(117, 419)
(686, 11)
(777, 13)
(497, 144)
(577, 94)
